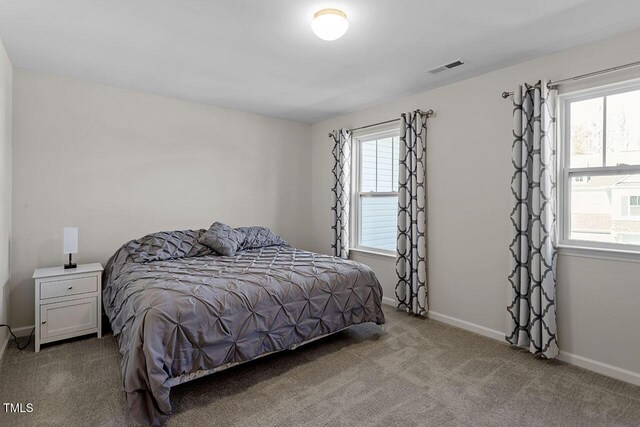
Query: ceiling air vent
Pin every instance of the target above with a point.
(445, 67)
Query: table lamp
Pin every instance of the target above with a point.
(70, 244)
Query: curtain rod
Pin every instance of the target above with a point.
(428, 113)
(551, 85)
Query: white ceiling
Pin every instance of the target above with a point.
(261, 56)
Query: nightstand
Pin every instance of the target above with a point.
(68, 302)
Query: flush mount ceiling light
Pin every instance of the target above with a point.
(329, 24)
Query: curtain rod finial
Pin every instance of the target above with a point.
(505, 95)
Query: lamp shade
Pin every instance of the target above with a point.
(70, 240)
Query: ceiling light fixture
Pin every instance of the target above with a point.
(329, 24)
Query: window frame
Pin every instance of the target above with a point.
(565, 172)
(392, 130)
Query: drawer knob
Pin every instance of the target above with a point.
(44, 321)
(70, 287)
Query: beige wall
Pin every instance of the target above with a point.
(469, 202)
(6, 92)
(119, 164)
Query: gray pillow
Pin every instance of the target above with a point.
(166, 245)
(222, 239)
(259, 237)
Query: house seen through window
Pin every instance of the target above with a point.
(601, 167)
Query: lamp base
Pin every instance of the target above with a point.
(71, 264)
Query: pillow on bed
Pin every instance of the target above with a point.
(259, 237)
(166, 245)
(222, 239)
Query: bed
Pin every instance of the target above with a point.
(195, 312)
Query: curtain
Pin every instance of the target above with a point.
(532, 281)
(411, 260)
(341, 192)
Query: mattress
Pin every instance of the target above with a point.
(179, 319)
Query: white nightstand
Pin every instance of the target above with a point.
(68, 302)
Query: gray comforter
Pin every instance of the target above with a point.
(178, 319)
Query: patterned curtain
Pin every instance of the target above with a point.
(341, 192)
(411, 261)
(532, 309)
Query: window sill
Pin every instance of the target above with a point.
(372, 254)
(619, 255)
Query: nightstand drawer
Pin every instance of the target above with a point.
(62, 288)
(67, 317)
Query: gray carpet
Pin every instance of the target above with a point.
(420, 372)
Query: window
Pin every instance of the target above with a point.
(375, 197)
(631, 206)
(600, 168)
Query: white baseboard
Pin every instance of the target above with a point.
(572, 359)
(462, 324)
(600, 367)
(4, 345)
(23, 331)
(389, 301)
(468, 326)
